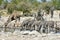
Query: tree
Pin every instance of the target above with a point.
(1, 2)
(43, 0)
(5, 3)
(56, 3)
(21, 5)
(11, 8)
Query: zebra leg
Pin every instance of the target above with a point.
(41, 29)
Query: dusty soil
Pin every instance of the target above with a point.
(34, 35)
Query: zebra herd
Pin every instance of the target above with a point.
(29, 24)
(40, 26)
(38, 23)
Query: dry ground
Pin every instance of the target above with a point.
(28, 36)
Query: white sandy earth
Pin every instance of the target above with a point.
(27, 35)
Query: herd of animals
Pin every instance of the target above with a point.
(38, 23)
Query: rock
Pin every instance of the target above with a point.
(25, 32)
(16, 32)
(34, 32)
